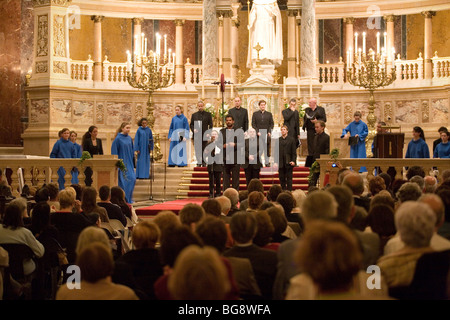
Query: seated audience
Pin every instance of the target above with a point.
(89, 205)
(409, 191)
(273, 192)
(233, 195)
(255, 200)
(113, 210)
(191, 214)
(264, 231)
(118, 197)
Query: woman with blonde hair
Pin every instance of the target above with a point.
(122, 146)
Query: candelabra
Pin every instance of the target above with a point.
(371, 71)
(151, 73)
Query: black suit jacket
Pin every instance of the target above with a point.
(252, 151)
(210, 152)
(205, 118)
(318, 114)
(240, 118)
(262, 120)
(287, 151)
(292, 121)
(89, 147)
(227, 155)
(321, 145)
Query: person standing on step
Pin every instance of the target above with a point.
(143, 144)
(313, 114)
(178, 135)
(214, 162)
(287, 158)
(262, 122)
(63, 148)
(122, 146)
(201, 122)
(240, 115)
(321, 145)
(252, 165)
(292, 121)
(231, 148)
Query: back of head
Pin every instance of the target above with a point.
(191, 213)
(40, 218)
(330, 254)
(430, 184)
(273, 192)
(233, 195)
(287, 201)
(21, 203)
(165, 220)
(355, 182)
(213, 232)
(264, 229)
(299, 196)
(387, 179)
(344, 199)
(436, 204)
(415, 171)
(42, 195)
(376, 184)
(255, 200)
(342, 173)
(255, 185)
(212, 206)
(89, 199)
(279, 220)
(53, 190)
(243, 227)
(396, 184)
(225, 203)
(199, 274)
(66, 199)
(104, 192)
(419, 180)
(89, 235)
(409, 191)
(383, 198)
(145, 235)
(381, 220)
(415, 222)
(174, 240)
(78, 190)
(95, 261)
(117, 195)
(243, 194)
(12, 218)
(446, 174)
(444, 194)
(319, 205)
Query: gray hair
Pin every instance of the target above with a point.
(415, 222)
(319, 205)
(419, 180)
(436, 204)
(225, 203)
(409, 191)
(233, 195)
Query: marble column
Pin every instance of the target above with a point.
(209, 51)
(291, 46)
(428, 54)
(226, 60)
(234, 47)
(349, 36)
(308, 44)
(97, 47)
(179, 67)
(220, 27)
(389, 19)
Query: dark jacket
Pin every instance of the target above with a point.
(210, 151)
(240, 118)
(252, 151)
(292, 121)
(287, 151)
(262, 120)
(205, 118)
(321, 145)
(318, 114)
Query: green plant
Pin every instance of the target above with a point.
(334, 154)
(315, 168)
(84, 156)
(122, 167)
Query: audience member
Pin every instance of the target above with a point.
(396, 184)
(383, 197)
(233, 195)
(299, 196)
(387, 180)
(21, 203)
(264, 231)
(191, 214)
(253, 185)
(381, 221)
(376, 184)
(166, 220)
(264, 262)
(415, 171)
(225, 205)
(287, 201)
(445, 174)
(96, 267)
(255, 200)
(199, 274)
(53, 190)
(355, 182)
(409, 191)
(118, 197)
(280, 224)
(444, 230)
(89, 204)
(113, 210)
(212, 206)
(430, 184)
(273, 192)
(415, 223)
(419, 180)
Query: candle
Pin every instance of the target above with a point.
(145, 47)
(364, 43)
(356, 41)
(284, 87)
(359, 51)
(378, 42)
(348, 58)
(165, 45)
(351, 56)
(310, 88)
(142, 42)
(170, 55)
(173, 54)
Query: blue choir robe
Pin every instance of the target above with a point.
(143, 142)
(359, 150)
(442, 150)
(75, 171)
(179, 128)
(417, 149)
(122, 146)
(63, 149)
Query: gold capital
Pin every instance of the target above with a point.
(428, 14)
(349, 20)
(97, 19)
(179, 22)
(389, 18)
(138, 20)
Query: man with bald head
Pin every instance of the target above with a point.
(313, 114)
(430, 184)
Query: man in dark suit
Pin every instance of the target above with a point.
(292, 121)
(239, 114)
(313, 114)
(264, 262)
(211, 154)
(321, 146)
(262, 122)
(232, 152)
(287, 158)
(252, 165)
(201, 121)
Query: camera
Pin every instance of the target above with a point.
(334, 165)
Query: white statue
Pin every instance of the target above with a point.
(265, 28)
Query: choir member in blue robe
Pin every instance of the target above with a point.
(63, 148)
(359, 129)
(143, 143)
(178, 134)
(417, 147)
(122, 146)
(75, 172)
(443, 149)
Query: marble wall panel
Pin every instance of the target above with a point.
(167, 27)
(149, 28)
(407, 111)
(39, 111)
(189, 41)
(83, 112)
(332, 40)
(333, 112)
(61, 111)
(370, 27)
(118, 112)
(364, 108)
(439, 110)
(100, 113)
(163, 116)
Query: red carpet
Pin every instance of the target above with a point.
(175, 206)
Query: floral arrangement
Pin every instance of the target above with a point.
(122, 167)
(84, 156)
(224, 112)
(210, 108)
(301, 110)
(315, 167)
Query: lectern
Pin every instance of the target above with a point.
(390, 145)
